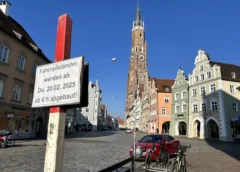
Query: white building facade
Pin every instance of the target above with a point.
(87, 118)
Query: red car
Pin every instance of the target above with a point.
(145, 143)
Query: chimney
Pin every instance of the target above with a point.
(4, 6)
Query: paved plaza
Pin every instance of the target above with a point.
(97, 150)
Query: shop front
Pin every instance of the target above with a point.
(24, 122)
(17, 121)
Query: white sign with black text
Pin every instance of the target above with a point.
(58, 83)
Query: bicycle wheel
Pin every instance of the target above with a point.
(164, 156)
(148, 160)
(184, 165)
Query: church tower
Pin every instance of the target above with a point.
(137, 61)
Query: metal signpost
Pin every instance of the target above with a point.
(59, 86)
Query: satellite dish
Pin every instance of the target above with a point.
(114, 59)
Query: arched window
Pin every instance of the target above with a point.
(136, 49)
(140, 34)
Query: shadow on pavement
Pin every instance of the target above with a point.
(90, 134)
(213, 125)
(231, 149)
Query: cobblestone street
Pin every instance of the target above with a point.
(97, 150)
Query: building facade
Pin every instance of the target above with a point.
(19, 57)
(136, 111)
(179, 119)
(137, 63)
(88, 117)
(146, 99)
(214, 99)
(160, 108)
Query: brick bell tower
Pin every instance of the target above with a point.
(137, 61)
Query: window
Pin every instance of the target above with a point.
(4, 51)
(196, 78)
(184, 94)
(184, 107)
(176, 96)
(232, 90)
(140, 34)
(1, 88)
(202, 76)
(166, 99)
(16, 92)
(233, 75)
(195, 108)
(208, 74)
(204, 107)
(30, 96)
(194, 92)
(136, 49)
(234, 106)
(146, 139)
(213, 88)
(79, 117)
(21, 63)
(214, 105)
(179, 82)
(87, 110)
(166, 88)
(87, 116)
(34, 69)
(202, 90)
(201, 68)
(177, 109)
(163, 111)
(168, 138)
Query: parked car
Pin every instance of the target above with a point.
(145, 143)
(128, 130)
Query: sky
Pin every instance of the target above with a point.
(175, 31)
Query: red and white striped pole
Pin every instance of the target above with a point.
(57, 115)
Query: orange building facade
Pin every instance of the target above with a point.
(160, 106)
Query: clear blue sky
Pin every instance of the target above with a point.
(175, 30)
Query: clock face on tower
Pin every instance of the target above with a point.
(141, 57)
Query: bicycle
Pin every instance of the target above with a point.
(162, 157)
(180, 163)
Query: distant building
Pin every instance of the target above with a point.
(19, 58)
(121, 123)
(90, 118)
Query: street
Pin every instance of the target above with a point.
(93, 151)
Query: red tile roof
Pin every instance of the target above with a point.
(162, 84)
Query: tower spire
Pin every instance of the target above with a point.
(138, 21)
(138, 13)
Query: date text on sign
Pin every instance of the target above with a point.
(58, 84)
